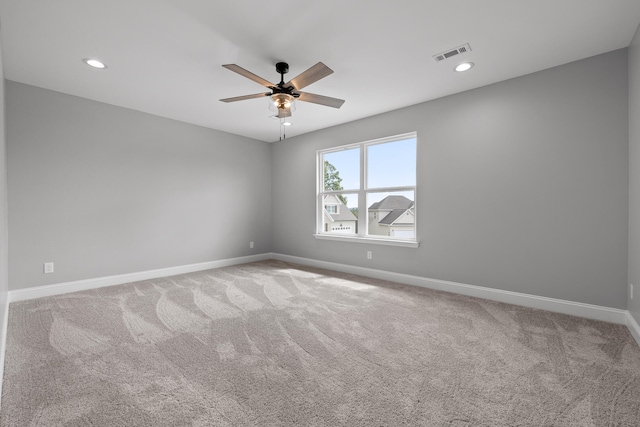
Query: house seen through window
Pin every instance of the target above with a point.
(368, 189)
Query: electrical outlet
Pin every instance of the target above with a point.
(369, 255)
(631, 291)
(250, 245)
(48, 267)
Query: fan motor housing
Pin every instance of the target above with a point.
(282, 68)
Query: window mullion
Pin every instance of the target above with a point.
(391, 189)
(319, 192)
(351, 191)
(363, 218)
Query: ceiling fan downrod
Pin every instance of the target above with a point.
(282, 68)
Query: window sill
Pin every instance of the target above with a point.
(368, 240)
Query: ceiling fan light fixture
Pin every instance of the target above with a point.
(282, 100)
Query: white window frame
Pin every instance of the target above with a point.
(363, 212)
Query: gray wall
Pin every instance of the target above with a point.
(4, 254)
(522, 185)
(634, 174)
(102, 190)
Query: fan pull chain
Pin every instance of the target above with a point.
(283, 131)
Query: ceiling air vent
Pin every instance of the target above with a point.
(452, 52)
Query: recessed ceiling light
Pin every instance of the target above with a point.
(94, 63)
(465, 66)
(286, 123)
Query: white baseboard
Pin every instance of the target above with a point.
(83, 285)
(634, 328)
(589, 311)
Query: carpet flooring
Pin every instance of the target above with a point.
(275, 344)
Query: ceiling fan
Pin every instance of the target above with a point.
(283, 94)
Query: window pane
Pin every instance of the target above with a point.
(392, 214)
(392, 164)
(340, 213)
(342, 170)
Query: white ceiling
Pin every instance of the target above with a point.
(165, 56)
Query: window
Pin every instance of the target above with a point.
(367, 191)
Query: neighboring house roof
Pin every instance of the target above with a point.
(391, 203)
(344, 214)
(392, 216)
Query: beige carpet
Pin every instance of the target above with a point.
(273, 344)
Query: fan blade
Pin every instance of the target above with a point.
(242, 98)
(283, 112)
(320, 99)
(312, 75)
(248, 74)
